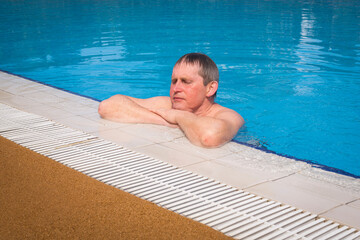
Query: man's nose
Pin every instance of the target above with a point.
(178, 86)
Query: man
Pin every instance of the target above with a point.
(191, 105)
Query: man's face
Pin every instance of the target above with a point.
(187, 90)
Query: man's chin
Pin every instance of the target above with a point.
(178, 106)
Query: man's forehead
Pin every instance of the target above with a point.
(186, 67)
(190, 64)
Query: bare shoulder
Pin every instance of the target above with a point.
(154, 102)
(228, 115)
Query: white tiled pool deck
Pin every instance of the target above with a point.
(330, 195)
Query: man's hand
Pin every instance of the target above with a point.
(169, 115)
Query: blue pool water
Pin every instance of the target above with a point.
(291, 68)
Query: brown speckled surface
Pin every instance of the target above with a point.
(42, 199)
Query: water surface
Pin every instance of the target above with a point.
(290, 68)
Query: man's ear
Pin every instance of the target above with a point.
(211, 88)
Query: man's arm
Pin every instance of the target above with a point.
(205, 131)
(127, 109)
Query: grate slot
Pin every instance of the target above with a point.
(343, 234)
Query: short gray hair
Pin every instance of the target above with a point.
(208, 69)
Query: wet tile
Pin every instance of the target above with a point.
(250, 165)
(74, 108)
(354, 204)
(24, 89)
(103, 123)
(254, 159)
(184, 145)
(294, 196)
(4, 75)
(49, 112)
(234, 177)
(319, 188)
(79, 123)
(345, 214)
(5, 84)
(19, 102)
(168, 155)
(122, 138)
(9, 80)
(44, 97)
(155, 133)
(4, 94)
(234, 147)
(58, 92)
(347, 183)
(91, 103)
(73, 97)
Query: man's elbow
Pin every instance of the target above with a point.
(103, 108)
(212, 140)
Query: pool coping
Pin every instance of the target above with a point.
(300, 184)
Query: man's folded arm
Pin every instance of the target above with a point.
(127, 109)
(205, 131)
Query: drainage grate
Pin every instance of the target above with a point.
(236, 213)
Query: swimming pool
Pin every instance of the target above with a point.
(291, 68)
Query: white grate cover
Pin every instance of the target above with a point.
(236, 213)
